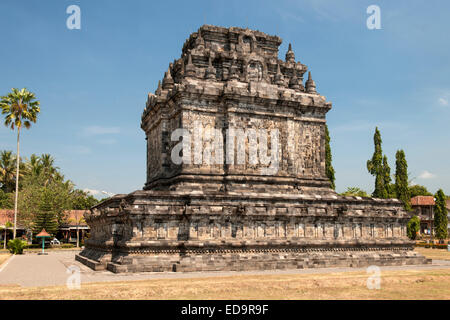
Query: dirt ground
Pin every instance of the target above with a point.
(394, 284)
(404, 284)
(439, 254)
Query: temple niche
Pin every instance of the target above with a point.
(255, 71)
(229, 97)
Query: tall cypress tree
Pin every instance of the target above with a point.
(375, 167)
(328, 157)
(387, 178)
(440, 216)
(401, 179)
(46, 217)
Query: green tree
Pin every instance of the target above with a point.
(33, 166)
(82, 200)
(20, 108)
(375, 167)
(46, 217)
(61, 197)
(440, 216)
(48, 168)
(6, 200)
(355, 192)
(418, 190)
(7, 171)
(401, 179)
(387, 179)
(328, 158)
(413, 227)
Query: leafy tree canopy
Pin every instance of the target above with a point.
(418, 190)
(40, 176)
(355, 192)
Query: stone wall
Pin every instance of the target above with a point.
(225, 232)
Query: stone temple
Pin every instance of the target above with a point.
(236, 173)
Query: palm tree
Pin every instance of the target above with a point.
(34, 166)
(21, 109)
(7, 171)
(48, 168)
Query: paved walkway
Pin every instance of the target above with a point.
(33, 270)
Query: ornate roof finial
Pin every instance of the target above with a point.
(199, 42)
(168, 82)
(211, 71)
(310, 84)
(190, 70)
(158, 90)
(293, 83)
(290, 56)
(279, 79)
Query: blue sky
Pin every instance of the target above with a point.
(93, 82)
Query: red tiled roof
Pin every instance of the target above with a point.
(6, 215)
(73, 216)
(422, 201)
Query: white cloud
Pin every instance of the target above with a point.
(443, 101)
(99, 130)
(427, 175)
(92, 192)
(95, 192)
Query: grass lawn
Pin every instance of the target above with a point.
(439, 254)
(405, 284)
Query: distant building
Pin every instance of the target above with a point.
(75, 223)
(67, 232)
(423, 207)
(7, 215)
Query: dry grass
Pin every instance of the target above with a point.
(410, 284)
(4, 257)
(439, 254)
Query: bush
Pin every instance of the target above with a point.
(16, 246)
(435, 246)
(67, 245)
(413, 227)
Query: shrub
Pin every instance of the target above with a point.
(16, 246)
(413, 227)
(435, 246)
(67, 245)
